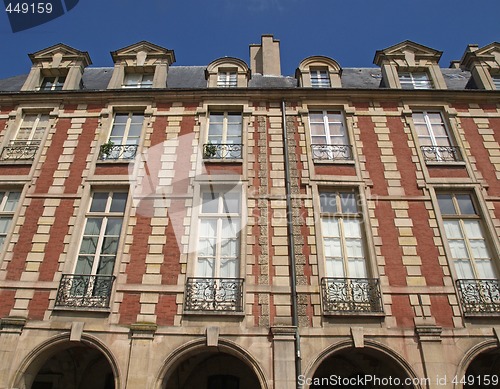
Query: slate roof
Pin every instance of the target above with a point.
(193, 77)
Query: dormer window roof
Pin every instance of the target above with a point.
(484, 65)
(227, 72)
(409, 65)
(319, 72)
(141, 65)
(59, 67)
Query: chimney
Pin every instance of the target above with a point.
(265, 58)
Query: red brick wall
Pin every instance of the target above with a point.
(166, 310)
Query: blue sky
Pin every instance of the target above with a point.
(201, 31)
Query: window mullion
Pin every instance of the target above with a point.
(468, 248)
(326, 126)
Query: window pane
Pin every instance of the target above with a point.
(4, 224)
(93, 226)
(231, 203)
(458, 249)
(89, 245)
(106, 264)
(208, 228)
(479, 249)
(486, 269)
(452, 229)
(316, 117)
(121, 118)
(348, 203)
(465, 204)
(84, 264)
(333, 248)
(354, 248)
(464, 269)
(114, 226)
(205, 268)
(357, 268)
(99, 201)
(110, 245)
(445, 203)
(328, 202)
(334, 268)
(210, 202)
(330, 227)
(228, 268)
(352, 228)
(119, 201)
(12, 199)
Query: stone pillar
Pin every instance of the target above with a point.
(284, 357)
(431, 349)
(139, 375)
(10, 332)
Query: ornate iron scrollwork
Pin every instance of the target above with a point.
(222, 151)
(342, 295)
(214, 294)
(479, 296)
(117, 152)
(441, 153)
(84, 291)
(20, 150)
(331, 152)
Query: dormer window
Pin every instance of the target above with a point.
(141, 65)
(227, 79)
(319, 72)
(320, 78)
(409, 65)
(415, 80)
(138, 80)
(227, 72)
(58, 67)
(52, 83)
(484, 65)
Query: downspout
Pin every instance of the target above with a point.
(291, 247)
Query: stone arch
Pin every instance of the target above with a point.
(372, 349)
(197, 347)
(482, 359)
(51, 347)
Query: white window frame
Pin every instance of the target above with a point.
(415, 80)
(8, 215)
(37, 132)
(227, 78)
(320, 78)
(341, 217)
(219, 216)
(105, 216)
(58, 83)
(462, 219)
(140, 82)
(327, 148)
(440, 155)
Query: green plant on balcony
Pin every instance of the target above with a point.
(106, 149)
(210, 150)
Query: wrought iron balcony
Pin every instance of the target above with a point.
(214, 295)
(20, 150)
(117, 152)
(479, 296)
(351, 295)
(84, 291)
(331, 152)
(441, 153)
(222, 151)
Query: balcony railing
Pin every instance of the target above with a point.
(441, 153)
(84, 291)
(222, 151)
(351, 295)
(117, 152)
(214, 295)
(479, 296)
(20, 150)
(331, 152)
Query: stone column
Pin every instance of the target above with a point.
(139, 375)
(10, 332)
(284, 357)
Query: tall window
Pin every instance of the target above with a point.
(138, 80)
(415, 80)
(218, 235)
(224, 135)
(329, 136)
(32, 129)
(8, 205)
(124, 137)
(227, 79)
(320, 78)
(342, 235)
(52, 83)
(101, 235)
(469, 249)
(435, 142)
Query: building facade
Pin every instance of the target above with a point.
(226, 226)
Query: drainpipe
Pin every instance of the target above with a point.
(291, 247)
